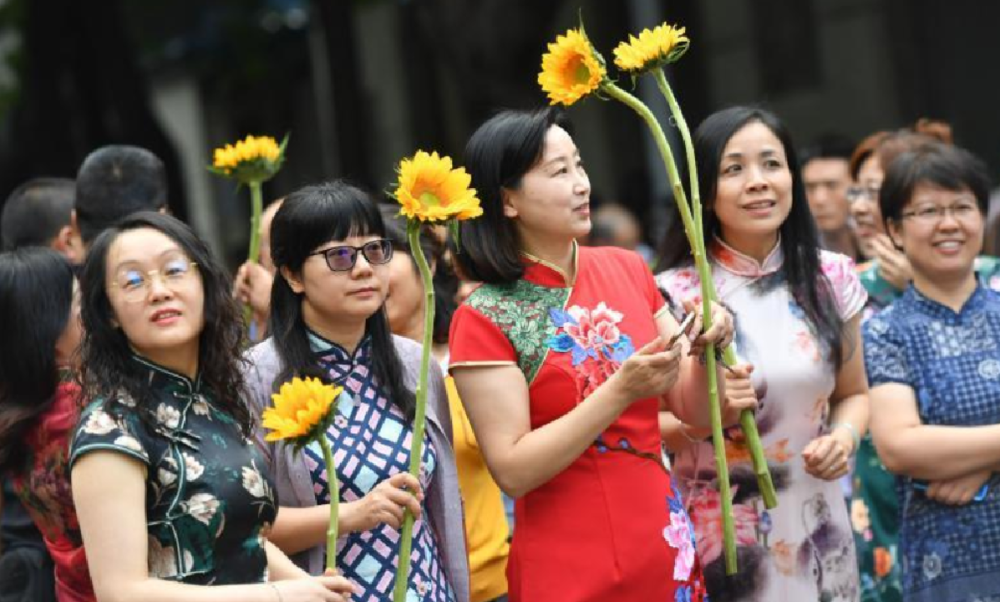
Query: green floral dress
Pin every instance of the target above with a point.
(210, 502)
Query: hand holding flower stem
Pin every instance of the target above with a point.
(251, 162)
(301, 413)
(747, 421)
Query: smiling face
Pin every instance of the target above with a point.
(553, 200)
(754, 194)
(940, 248)
(156, 296)
(330, 297)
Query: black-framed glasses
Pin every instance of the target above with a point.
(342, 258)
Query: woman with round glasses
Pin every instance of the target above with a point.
(170, 492)
(933, 360)
(328, 321)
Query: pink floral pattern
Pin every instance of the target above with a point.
(706, 512)
(678, 535)
(593, 337)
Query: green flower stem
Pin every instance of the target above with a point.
(256, 209)
(747, 422)
(697, 248)
(333, 483)
(419, 419)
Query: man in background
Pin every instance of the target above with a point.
(38, 214)
(826, 175)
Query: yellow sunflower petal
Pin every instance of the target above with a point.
(652, 48)
(570, 69)
(430, 188)
(299, 407)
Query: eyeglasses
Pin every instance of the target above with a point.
(932, 214)
(135, 283)
(860, 193)
(342, 258)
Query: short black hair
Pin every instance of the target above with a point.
(36, 211)
(115, 181)
(497, 156)
(828, 146)
(950, 167)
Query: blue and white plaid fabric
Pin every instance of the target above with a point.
(370, 440)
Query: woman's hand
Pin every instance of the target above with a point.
(893, 266)
(329, 587)
(649, 372)
(740, 394)
(826, 457)
(958, 491)
(720, 333)
(387, 503)
(252, 286)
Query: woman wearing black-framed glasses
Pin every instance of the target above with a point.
(328, 321)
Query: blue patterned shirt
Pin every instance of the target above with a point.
(952, 362)
(370, 441)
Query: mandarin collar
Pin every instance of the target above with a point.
(334, 357)
(542, 272)
(940, 310)
(161, 377)
(743, 265)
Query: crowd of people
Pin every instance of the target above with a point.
(569, 382)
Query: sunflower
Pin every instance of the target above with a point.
(301, 411)
(431, 189)
(256, 158)
(653, 48)
(571, 69)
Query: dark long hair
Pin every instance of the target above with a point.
(311, 217)
(811, 290)
(497, 156)
(108, 368)
(36, 295)
(437, 252)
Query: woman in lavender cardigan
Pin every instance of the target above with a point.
(327, 321)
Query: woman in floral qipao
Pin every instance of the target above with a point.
(562, 361)
(169, 490)
(797, 312)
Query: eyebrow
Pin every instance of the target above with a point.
(738, 155)
(129, 262)
(576, 154)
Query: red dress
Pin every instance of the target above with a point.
(610, 526)
(45, 492)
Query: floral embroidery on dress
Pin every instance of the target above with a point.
(680, 535)
(519, 310)
(591, 335)
(209, 506)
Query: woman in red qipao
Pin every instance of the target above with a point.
(563, 360)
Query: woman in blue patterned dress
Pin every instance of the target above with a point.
(933, 360)
(170, 492)
(328, 321)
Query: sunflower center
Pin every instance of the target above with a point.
(579, 70)
(429, 199)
